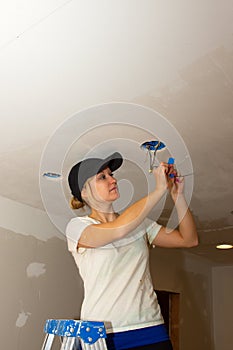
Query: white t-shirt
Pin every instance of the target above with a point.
(118, 289)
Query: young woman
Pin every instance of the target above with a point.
(112, 251)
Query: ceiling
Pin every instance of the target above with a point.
(58, 58)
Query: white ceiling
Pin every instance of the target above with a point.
(59, 57)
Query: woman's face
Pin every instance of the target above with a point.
(104, 186)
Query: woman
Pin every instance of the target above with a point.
(112, 251)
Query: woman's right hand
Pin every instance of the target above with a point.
(161, 178)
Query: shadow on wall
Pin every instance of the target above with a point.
(39, 280)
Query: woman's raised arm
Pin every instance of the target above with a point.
(97, 235)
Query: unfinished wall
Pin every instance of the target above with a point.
(39, 279)
(178, 271)
(205, 286)
(223, 311)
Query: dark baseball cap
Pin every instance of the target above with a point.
(89, 167)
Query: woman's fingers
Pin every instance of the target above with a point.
(165, 167)
(167, 176)
(180, 179)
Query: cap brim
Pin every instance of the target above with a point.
(113, 162)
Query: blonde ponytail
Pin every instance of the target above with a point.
(76, 204)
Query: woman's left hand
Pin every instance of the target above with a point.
(175, 183)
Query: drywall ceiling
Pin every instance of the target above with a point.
(60, 57)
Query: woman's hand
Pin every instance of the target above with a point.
(161, 177)
(167, 178)
(175, 183)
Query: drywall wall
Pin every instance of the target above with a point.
(205, 284)
(39, 279)
(223, 311)
(180, 271)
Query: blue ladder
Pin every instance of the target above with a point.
(90, 335)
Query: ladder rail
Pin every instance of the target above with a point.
(68, 343)
(48, 342)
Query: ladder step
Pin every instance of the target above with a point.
(92, 334)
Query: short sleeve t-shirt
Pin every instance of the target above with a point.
(118, 289)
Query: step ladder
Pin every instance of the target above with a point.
(75, 334)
